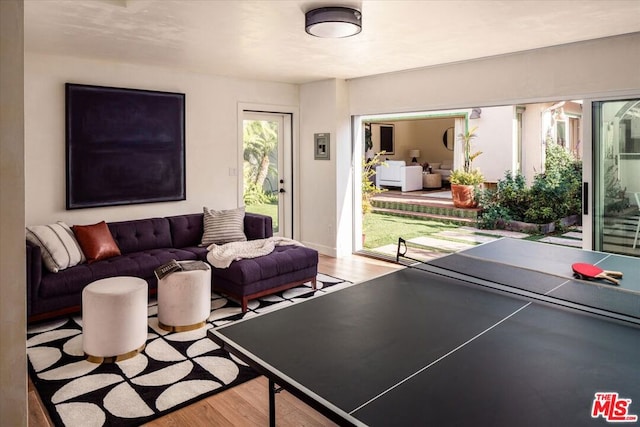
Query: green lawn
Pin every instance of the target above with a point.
(381, 230)
(266, 209)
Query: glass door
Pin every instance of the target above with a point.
(266, 178)
(616, 161)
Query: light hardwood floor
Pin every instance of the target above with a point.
(247, 404)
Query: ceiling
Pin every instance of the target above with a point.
(265, 40)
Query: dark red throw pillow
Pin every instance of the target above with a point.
(96, 241)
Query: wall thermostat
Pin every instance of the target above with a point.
(321, 145)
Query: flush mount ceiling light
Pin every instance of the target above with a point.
(333, 22)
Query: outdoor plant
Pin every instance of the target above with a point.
(464, 181)
(508, 201)
(461, 177)
(554, 194)
(369, 188)
(260, 144)
(466, 175)
(466, 139)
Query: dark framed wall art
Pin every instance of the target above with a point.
(123, 146)
(386, 139)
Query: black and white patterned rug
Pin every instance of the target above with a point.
(174, 370)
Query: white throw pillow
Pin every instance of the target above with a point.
(223, 226)
(60, 249)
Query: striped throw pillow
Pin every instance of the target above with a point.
(222, 227)
(60, 249)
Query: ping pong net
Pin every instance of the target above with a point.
(537, 271)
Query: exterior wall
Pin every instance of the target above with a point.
(594, 68)
(211, 134)
(532, 141)
(495, 139)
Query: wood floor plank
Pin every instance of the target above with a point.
(248, 404)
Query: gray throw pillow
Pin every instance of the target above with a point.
(60, 249)
(223, 226)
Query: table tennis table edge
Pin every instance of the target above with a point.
(605, 256)
(525, 293)
(307, 396)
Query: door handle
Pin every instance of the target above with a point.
(585, 198)
(282, 190)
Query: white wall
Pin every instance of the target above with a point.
(318, 105)
(211, 133)
(13, 363)
(495, 140)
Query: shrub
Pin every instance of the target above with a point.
(254, 195)
(369, 188)
(508, 202)
(554, 194)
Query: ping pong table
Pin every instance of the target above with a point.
(497, 335)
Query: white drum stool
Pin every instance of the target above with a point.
(184, 299)
(114, 318)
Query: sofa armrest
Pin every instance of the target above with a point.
(34, 272)
(411, 178)
(257, 226)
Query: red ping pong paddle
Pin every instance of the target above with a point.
(590, 271)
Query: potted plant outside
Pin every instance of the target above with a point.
(465, 180)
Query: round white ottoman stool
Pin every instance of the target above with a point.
(184, 298)
(114, 318)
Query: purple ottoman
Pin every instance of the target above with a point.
(284, 268)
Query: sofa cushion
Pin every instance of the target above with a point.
(141, 234)
(283, 260)
(138, 264)
(222, 227)
(60, 249)
(96, 241)
(186, 230)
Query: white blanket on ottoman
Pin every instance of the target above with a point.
(221, 256)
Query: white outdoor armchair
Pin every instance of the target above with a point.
(397, 174)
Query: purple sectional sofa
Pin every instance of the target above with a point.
(148, 243)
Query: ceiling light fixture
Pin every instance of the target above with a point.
(333, 22)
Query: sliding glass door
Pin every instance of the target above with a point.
(616, 163)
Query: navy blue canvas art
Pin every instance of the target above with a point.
(124, 146)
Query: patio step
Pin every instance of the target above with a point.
(439, 211)
(426, 215)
